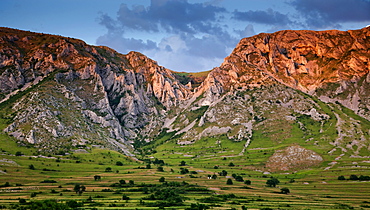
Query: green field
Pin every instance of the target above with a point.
(316, 188)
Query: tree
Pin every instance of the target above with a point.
(341, 178)
(108, 169)
(222, 173)
(125, 197)
(32, 167)
(231, 164)
(239, 179)
(148, 166)
(18, 153)
(119, 163)
(131, 182)
(353, 177)
(214, 176)
(182, 163)
(122, 181)
(285, 190)
(247, 182)
(162, 179)
(97, 177)
(79, 189)
(160, 169)
(158, 162)
(184, 171)
(364, 178)
(272, 182)
(229, 182)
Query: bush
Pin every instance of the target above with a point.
(125, 197)
(184, 171)
(285, 190)
(341, 178)
(248, 182)
(74, 204)
(108, 169)
(18, 153)
(160, 169)
(97, 177)
(353, 177)
(119, 163)
(162, 179)
(197, 206)
(364, 178)
(239, 179)
(48, 181)
(222, 173)
(32, 167)
(229, 182)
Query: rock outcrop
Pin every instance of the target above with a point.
(124, 95)
(332, 65)
(59, 93)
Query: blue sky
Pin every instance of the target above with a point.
(182, 35)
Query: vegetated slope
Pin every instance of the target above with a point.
(265, 93)
(65, 92)
(262, 99)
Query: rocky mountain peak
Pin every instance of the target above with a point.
(58, 92)
(308, 61)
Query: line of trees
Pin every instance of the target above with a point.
(355, 177)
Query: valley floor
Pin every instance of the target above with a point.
(181, 181)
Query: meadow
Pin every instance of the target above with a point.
(174, 177)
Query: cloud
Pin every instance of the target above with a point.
(170, 15)
(331, 13)
(122, 44)
(268, 17)
(183, 55)
(184, 52)
(247, 32)
(192, 34)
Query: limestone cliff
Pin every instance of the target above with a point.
(122, 95)
(333, 65)
(59, 93)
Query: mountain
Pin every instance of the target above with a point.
(68, 93)
(301, 94)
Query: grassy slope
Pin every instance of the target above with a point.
(314, 188)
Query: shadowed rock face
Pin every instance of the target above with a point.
(64, 92)
(124, 95)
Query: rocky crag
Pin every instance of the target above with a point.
(286, 88)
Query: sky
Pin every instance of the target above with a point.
(182, 35)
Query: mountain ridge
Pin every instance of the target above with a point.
(118, 101)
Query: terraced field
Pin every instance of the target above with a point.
(185, 184)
